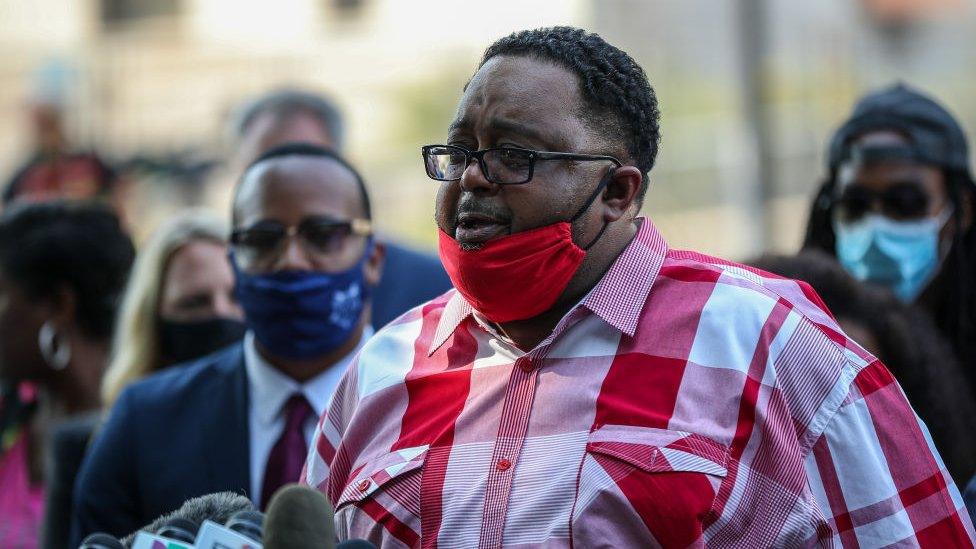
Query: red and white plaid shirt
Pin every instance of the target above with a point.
(685, 401)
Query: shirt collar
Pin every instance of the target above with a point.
(618, 298)
(270, 388)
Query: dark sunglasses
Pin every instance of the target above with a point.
(899, 201)
(321, 236)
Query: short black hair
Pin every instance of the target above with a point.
(288, 102)
(308, 149)
(80, 245)
(614, 88)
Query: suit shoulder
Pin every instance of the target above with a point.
(186, 380)
(399, 256)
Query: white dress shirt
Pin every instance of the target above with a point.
(269, 389)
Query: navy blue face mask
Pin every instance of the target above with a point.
(303, 314)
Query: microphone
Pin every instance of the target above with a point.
(218, 507)
(179, 529)
(175, 533)
(242, 531)
(299, 517)
(249, 524)
(100, 540)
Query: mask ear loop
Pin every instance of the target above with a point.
(589, 202)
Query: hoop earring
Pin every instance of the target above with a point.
(56, 356)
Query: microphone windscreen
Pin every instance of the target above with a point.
(99, 540)
(299, 517)
(248, 523)
(217, 507)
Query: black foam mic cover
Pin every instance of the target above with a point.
(299, 517)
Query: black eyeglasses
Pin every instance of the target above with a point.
(321, 237)
(899, 201)
(500, 165)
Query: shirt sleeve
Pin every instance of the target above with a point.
(878, 478)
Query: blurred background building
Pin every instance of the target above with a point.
(750, 90)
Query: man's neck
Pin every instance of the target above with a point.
(528, 333)
(302, 370)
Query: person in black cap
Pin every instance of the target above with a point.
(896, 208)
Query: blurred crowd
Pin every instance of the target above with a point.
(298, 281)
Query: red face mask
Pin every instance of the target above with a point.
(521, 275)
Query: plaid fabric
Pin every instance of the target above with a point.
(686, 401)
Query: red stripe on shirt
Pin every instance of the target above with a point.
(873, 378)
(685, 273)
(835, 494)
(750, 396)
(437, 390)
(886, 403)
(639, 390)
(392, 524)
(666, 502)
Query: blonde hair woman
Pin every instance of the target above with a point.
(179, 304)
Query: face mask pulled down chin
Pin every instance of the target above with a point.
(303, 314)
(184, 341)
(900, 255)
(521, 275)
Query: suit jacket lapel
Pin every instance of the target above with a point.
(229, 456)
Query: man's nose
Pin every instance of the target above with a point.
(474, 180)
(293, 257)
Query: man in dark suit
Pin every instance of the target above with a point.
(240, 420)
(288, 116)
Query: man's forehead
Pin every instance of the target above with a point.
(522, 90)
(857, 171)
(307, 184)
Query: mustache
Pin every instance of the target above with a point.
(471, 205)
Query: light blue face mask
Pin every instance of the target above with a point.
(901, 255)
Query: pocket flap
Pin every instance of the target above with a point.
(381, 471)
(659, 450)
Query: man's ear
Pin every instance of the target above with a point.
(621, 192)
(373, 269)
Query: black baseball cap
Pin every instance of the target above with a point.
(936, 137)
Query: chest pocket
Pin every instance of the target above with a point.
(657, 483)
(383, 497)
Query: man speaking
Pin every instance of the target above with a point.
(586, 385)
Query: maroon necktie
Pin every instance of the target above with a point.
(288, 454)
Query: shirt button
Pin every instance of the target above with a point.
(363, 485)
(503, 465)
(526, 365)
